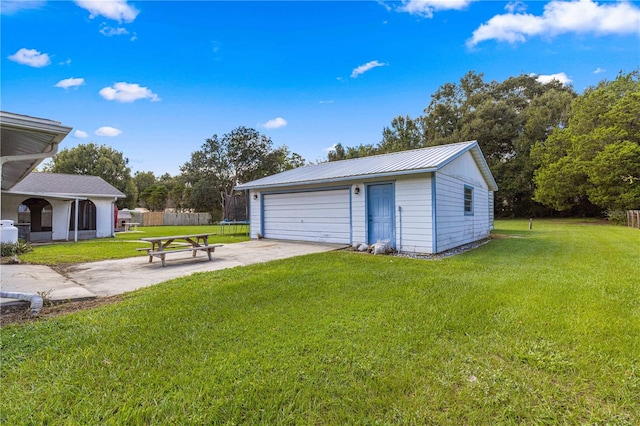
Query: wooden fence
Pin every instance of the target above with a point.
(166, 219)
(633, 218)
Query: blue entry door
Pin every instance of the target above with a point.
(380, 209)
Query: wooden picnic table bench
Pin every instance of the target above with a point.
(161, 246)
(131, 226)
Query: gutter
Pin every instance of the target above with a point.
(26, 157)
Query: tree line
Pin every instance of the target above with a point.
(206, 182)
(551, 150)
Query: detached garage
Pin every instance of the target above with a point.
(423, 201)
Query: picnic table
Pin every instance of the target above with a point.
(232, 226)
(161, 246)
(129, 225)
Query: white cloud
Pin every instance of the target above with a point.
(110, 31)
(118, 10)
(275, 123)
(31, 57)
(67, 62)
(560, 17)
(70, 82)
(329, 149)
(366, 67)
(80, 134)
(108, 131)
(599, 70)
(10, 7)
(127, 92)
(425, 8)
(330, 101)
(561, 77)
(515, 6)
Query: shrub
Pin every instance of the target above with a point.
(617, 217)
(12, 249)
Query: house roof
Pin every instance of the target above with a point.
(25, 142)
(414, 161)
(65, 186)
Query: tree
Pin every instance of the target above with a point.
(596, 157)
(340, 153)
(155, 197)
(102, 161)
(506, 118)
(404, 133)
(144, 180)
(224, 162)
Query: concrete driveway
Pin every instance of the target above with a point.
(111, 277)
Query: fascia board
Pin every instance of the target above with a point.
(340, 179)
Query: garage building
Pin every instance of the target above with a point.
(423, 201)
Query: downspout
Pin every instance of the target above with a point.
(34, 299)
(400, 217)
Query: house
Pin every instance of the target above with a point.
(423, 201)
(44, 205)
(54, 207)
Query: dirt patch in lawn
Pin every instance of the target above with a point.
(20, 313)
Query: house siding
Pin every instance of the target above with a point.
(104, 218)
(60, 220)
(414, 232)
(358, 214)
(454, 228)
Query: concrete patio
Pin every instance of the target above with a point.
(111, 277)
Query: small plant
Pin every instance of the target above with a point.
(14, 249)
(617, 217)
(46, 297)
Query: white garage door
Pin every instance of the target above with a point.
(320, 216)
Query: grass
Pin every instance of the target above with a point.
(537, 327)
(123, 245)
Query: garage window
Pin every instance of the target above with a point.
(468, 200)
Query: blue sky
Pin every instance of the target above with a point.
(154, 79)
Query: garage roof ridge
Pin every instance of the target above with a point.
(421, 160)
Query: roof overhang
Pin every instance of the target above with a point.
(25, 143)
(338, 180)
(63, 197)
(471, 146)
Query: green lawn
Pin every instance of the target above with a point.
(536, 327)
(123, 245)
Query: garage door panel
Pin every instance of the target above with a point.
(321, 216)
(306, 224)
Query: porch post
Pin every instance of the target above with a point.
(75, 236)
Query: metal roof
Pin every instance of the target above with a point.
(414, 161)
(25, 142)
(65, 186)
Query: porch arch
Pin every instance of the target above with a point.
(86, 216)
(35, 218)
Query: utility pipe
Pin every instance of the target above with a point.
(34, 299)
